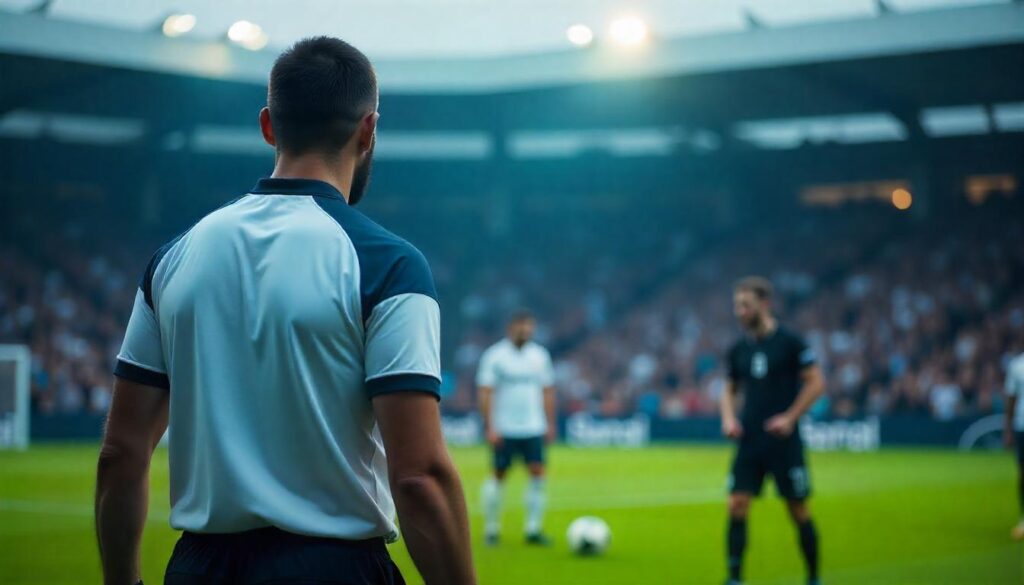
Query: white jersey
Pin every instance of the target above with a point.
(518, 377)
(1015, 387)
(273, 322)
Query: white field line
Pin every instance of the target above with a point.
(616, 501)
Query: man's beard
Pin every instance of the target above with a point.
(361, 177)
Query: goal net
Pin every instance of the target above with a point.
(15, 362)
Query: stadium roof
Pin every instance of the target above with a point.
(892, 89)
(487, 46)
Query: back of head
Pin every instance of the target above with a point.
(320, 89)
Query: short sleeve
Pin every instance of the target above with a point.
(141, 358)
(486, 373)
(547, 371)
(805, 356)
(403, 346)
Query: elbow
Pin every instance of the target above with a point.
(119, 459)
(421, 484)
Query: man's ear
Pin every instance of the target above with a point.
(266, 128)
(367, 129)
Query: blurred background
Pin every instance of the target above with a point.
(615, 165)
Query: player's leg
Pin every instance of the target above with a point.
(745, 481)
(493, 491)
(793, 482)
(808, 536)
(536, 497)
(1018, 530)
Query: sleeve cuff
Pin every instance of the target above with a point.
(133, 373)
(404, 383)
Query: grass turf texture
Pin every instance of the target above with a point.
(902, 517)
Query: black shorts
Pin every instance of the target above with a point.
(530, 449)
(272, 556)
(783, 459)
(1019, 443)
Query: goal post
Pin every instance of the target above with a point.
(15, 365)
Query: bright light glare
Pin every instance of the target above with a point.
(248, 35)
(580, 35)
(176, 25)
(628, 31)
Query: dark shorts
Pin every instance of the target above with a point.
(782, 459)
(530, 449)
(1019, 443)
(271, 556)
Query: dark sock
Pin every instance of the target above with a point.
(737, 543)
(809, 546)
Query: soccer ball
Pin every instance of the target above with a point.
(588, 536)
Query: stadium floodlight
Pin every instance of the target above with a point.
(248, 35)
(902, 199)
(176, 25)
(580, 35)
(628, 31)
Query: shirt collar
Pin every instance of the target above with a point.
(278, 186)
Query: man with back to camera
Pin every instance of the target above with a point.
(517, 403)
(1013, 431)
(780, 379)
(294, 342)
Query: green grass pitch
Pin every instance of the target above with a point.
(906, 517)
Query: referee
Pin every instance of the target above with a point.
(780, 379)
(292, 342)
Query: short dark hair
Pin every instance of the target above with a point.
(759, 285)
(320, 89)
(520, 315)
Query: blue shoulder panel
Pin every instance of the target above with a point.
(388, 265)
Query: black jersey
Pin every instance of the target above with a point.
(767, 372)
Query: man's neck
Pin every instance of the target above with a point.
(765, 328)
(338, 176)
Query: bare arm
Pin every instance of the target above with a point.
(812, 389)
(550, 410)
(486, 394)
(426, 487)
(1011, 407)
(731, 426)
(137, 420)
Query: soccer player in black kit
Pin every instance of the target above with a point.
(780, 379)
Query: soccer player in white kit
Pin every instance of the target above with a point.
(517, 402)
(1013, 431)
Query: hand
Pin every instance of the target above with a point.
(732, 428)
(1008, 439)
(493, 438)
(780, 425)
(550, 436)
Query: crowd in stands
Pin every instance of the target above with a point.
(905, 316)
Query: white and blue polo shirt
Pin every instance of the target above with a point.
(273, 321)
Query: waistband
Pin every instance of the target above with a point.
(274, 534)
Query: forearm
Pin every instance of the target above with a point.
(432, 512)
(485, 408)
(1011, 407)
(726, 406)
(122, 499)
(809, 394)
(550, 408)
